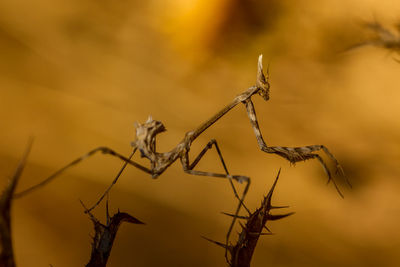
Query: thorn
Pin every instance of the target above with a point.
(217, 243)
(254, 234)
(84, 207)
(279, 216)
(235, 216)
(128, 218)
(278, 207)
(267, 233)
(259, 234)
(266, 228)
(271, 191)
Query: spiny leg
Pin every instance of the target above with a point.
(203, 152)
(292, 154)
(239, 178)
(112, 184)
(104, 150)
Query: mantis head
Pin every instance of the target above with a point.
(146, 136)
(262, 81)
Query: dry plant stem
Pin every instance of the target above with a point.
(104, 150)
(242, 252)
(382, 37)
(145, 142)
(6, 248)
(104, 236)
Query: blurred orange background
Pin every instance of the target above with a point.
(78, 74)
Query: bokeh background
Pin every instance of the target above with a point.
(78, 74)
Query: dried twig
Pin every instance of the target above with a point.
(382, 37)
(105, 234)
(241, 253)
(6, 248)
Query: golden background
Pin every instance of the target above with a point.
(78, 74)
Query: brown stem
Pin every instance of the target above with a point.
(104, 236)
(6, 248)
(242, 251)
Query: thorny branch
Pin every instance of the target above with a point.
(6, 248)
(104, 235)
(382, 37)
(241, 253)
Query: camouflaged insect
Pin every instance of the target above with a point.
(147, 132)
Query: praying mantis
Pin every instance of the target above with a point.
(145, 143)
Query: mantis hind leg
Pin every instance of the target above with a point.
(188, 168)
(104, 150)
